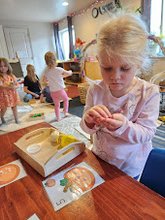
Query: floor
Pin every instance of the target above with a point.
(75, 106)
(25, 109)
(159, 139)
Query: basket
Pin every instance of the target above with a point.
(82, 88)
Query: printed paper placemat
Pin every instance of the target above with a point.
(71, 184)
(11, 172)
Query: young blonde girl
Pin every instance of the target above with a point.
(122, 109)
(32, 85)
(54, 75)
(8, 93)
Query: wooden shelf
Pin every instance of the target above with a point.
(76, 69)
(69, 82)
(76, 72)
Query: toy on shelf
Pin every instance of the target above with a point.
(47, 149)
(78, 49)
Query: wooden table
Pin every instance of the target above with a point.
(120, 197)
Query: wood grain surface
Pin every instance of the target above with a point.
(119, 197)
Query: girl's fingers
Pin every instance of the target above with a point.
(89, 118)
(100, 111)
(115, 122)
(94, 113)
(97, 114)
(106, 110)
(99, 120)
(118, 116)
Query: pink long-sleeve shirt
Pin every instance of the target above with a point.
(127, 147)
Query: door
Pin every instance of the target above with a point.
(19, 46)
(3, 48)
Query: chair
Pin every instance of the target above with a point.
(153, 175)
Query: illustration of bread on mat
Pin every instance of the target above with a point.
(78, 180)
(8, 173)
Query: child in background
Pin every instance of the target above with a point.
(122, 109)
(54, 75)
(8, 93)
(32, 85)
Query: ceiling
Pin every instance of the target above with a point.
(39, 10)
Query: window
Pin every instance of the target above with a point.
(157, 24)
(64, 37)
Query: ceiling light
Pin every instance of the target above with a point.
(65, 3)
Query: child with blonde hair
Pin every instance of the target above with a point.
(54, 75)
(122, 109)
(32, 86)
(8, 93)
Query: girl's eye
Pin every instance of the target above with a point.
(125, 69)
(107, 69)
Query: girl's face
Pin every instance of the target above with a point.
(117, 73)
(3, 67)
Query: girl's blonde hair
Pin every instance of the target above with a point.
(49, 56)
(31, 73)
(125, 35)
(6, 62)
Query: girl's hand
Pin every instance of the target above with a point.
(96, 115)
(10, 85)
(67, 73)
(115, 122)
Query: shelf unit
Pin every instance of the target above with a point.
(76, 69)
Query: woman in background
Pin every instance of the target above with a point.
(32, 85)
